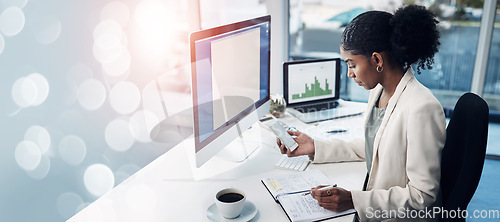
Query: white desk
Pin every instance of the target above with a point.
(171, 189)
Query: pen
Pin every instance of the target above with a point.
(323, 188)
(337, 131)
(282, 194)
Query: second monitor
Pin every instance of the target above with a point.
(230, 86)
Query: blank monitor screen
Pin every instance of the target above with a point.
(230, 76)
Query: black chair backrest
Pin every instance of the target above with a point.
(464, 151)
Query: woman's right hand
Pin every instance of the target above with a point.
(306, 144)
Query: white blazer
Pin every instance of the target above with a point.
(406, 166)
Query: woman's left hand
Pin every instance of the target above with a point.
(335, 199)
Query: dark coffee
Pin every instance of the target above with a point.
(230, 197)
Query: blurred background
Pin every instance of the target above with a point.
(84, 83)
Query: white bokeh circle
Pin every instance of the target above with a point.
(39, 136)
(91, 94)
(12, 21)
(41, 170)
(28, 155)
(42, 88)
(72, 149)
(141, 124)
(118, 135)
(48, 29)
(2, 44)
(125, 97)
(119, 66)
(17, 3)
(98, 179)
(77, 73)
(108, 41)
(24, 92)
(116, 11)
(68, 203)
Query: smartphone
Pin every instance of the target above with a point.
(285, 138)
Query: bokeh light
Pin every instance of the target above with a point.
(125, 97)
(119, 66)
(98, 179)
(151, 13)
(39, 136)
(2, 44)
(42, 88)
(41, 170)
(24, 92)
(72, 149)
(91, 94)
(118, 135)
(30, 91)
(141, 123)
(107, 41)
(156, 23)
(77, 73)
(116, 11)
(68, 203)
(47, 29)
(17, 3)
(12, 21)
(28, 155)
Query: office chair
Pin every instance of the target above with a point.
(463, 153)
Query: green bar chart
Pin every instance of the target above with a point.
(314, 89)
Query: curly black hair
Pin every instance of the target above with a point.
(410, 35)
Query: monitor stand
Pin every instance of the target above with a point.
(243, 146)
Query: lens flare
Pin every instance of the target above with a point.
(116, 11)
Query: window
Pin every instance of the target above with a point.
(491, 89)
(316, 28)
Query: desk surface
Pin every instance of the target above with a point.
(171, 187)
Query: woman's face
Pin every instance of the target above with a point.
(361, 69)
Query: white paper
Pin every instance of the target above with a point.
(300, 181)
(301, 207)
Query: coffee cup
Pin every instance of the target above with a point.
(230, 202)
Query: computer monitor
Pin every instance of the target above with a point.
(230, 87)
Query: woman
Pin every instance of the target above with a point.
(405, 125)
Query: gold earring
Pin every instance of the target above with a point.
(380, 68)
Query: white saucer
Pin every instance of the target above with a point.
(248, 212)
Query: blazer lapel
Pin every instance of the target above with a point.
(409, 75)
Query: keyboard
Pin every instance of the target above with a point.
(316, 107)
(298, 163)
